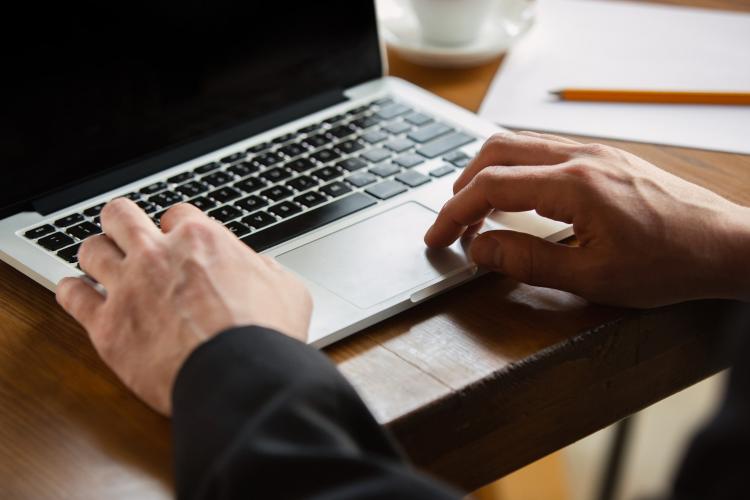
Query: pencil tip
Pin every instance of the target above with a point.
(556, 93)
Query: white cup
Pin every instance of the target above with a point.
(451, 22)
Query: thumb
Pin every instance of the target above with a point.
(528, 259)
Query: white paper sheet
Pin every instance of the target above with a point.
(612, 44)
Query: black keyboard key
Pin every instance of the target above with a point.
(341, 131)
(180, 178)
(409, 160)
(55, 241)
(225, 213)
(238, 228)
(132, 196)
(335, 189)
(351, 164)
(233, 158)
(84, 230)
(301, 164)
(316, 141)
(308, 221)
(292, 150)
(218, 178)
(445, 144)
(327, 173)
(277, 193)
(269, 159)
(94, 211)
(390, 111)
(146, 206)
(376, 155)
(309, 128)
(258, 148)
(69, 220)
(385, 169)
(192, 188)
(412, 178)
(399, 145)
(275, 175)
(361, 179)
(374, 137)
(202, 203)
(310, 199)
(302, 183)
(243, 169)
(208, 167)
(325, 155)
(417, 119)
(166, 198)
(458, 158)
(365, 122)
(154, 188)
(70, 254)
(225, 194)
(386, 189)
(430, 132)
(349, 147)
(334, 119)
(251, 203)
(259, 220)
(284, 138)
(357, 110)
(38, 232)
(396, 128)
(250, 185)
(442, 171)
(285, 209)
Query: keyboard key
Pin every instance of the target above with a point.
(84, 230)
(94, 211)
(334, 119)
(284, 138)
(259, 220)
(277, 193)
(361, 179)
(192, 188)
(365, 122)
(385, 169)
(154, 188)
(316, 141)
(225, 194)
(458, 158)
(409, 160)
(202, 203)
(38, 232)
(327, 173)
(335, 189)
(234, 157)
(310, 199)
(309, 129)
(275, 175)
(386, 189)
(218, 178)
(251, 203)
(238, 228)
(341, 131)
(132, 196)
(392, 111)
(225, 213)
(243, 169)
(383, 101)
(398, 127)
(374, 137)
(301, 164)
(445, 144)
(166, 198)
(180, 178)
(70, 254)
(258, 148)
(376, 155)
(269, 159)
(285, 209)
(302, 183)
(55, 241)
(412, 178)
(357, 110)
(307, 221)
(250, 185)
(351, 164)
(349, 147)
(442, 171)
(208, 167)
(417, 119)
(325, 155)
(146, 206)
(430, 132)
(69, 220)
(292, 150)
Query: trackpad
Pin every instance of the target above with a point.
(377, 259)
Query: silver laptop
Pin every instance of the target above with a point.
(276, 121)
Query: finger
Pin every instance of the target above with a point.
(549, 137)
(513, 150)
(529, 259)
(79, 300)
(512, 189)
(179, 213)
(126, 224)
(101, 258)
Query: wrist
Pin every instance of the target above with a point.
(737, 241)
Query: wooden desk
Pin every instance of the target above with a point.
(474, 384)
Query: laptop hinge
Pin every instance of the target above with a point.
(118, 176)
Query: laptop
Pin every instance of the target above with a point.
(275, 118)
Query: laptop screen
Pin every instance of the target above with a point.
(90, 86)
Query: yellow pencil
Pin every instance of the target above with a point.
(653, 96)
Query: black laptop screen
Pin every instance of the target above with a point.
(88, 86)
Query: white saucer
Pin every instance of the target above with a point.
(400, 31)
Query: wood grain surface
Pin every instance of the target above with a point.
(474, 384)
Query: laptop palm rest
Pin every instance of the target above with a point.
(379, 258)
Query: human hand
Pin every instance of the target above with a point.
(647, 237)
(167, 292)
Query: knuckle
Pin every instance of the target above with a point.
(596, 149)
(193, 230)
(114, 207)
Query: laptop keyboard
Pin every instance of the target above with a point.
(282, 188)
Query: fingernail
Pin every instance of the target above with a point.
(486, 252)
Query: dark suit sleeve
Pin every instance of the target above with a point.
(259, 415)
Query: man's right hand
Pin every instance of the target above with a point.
(647, 237)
